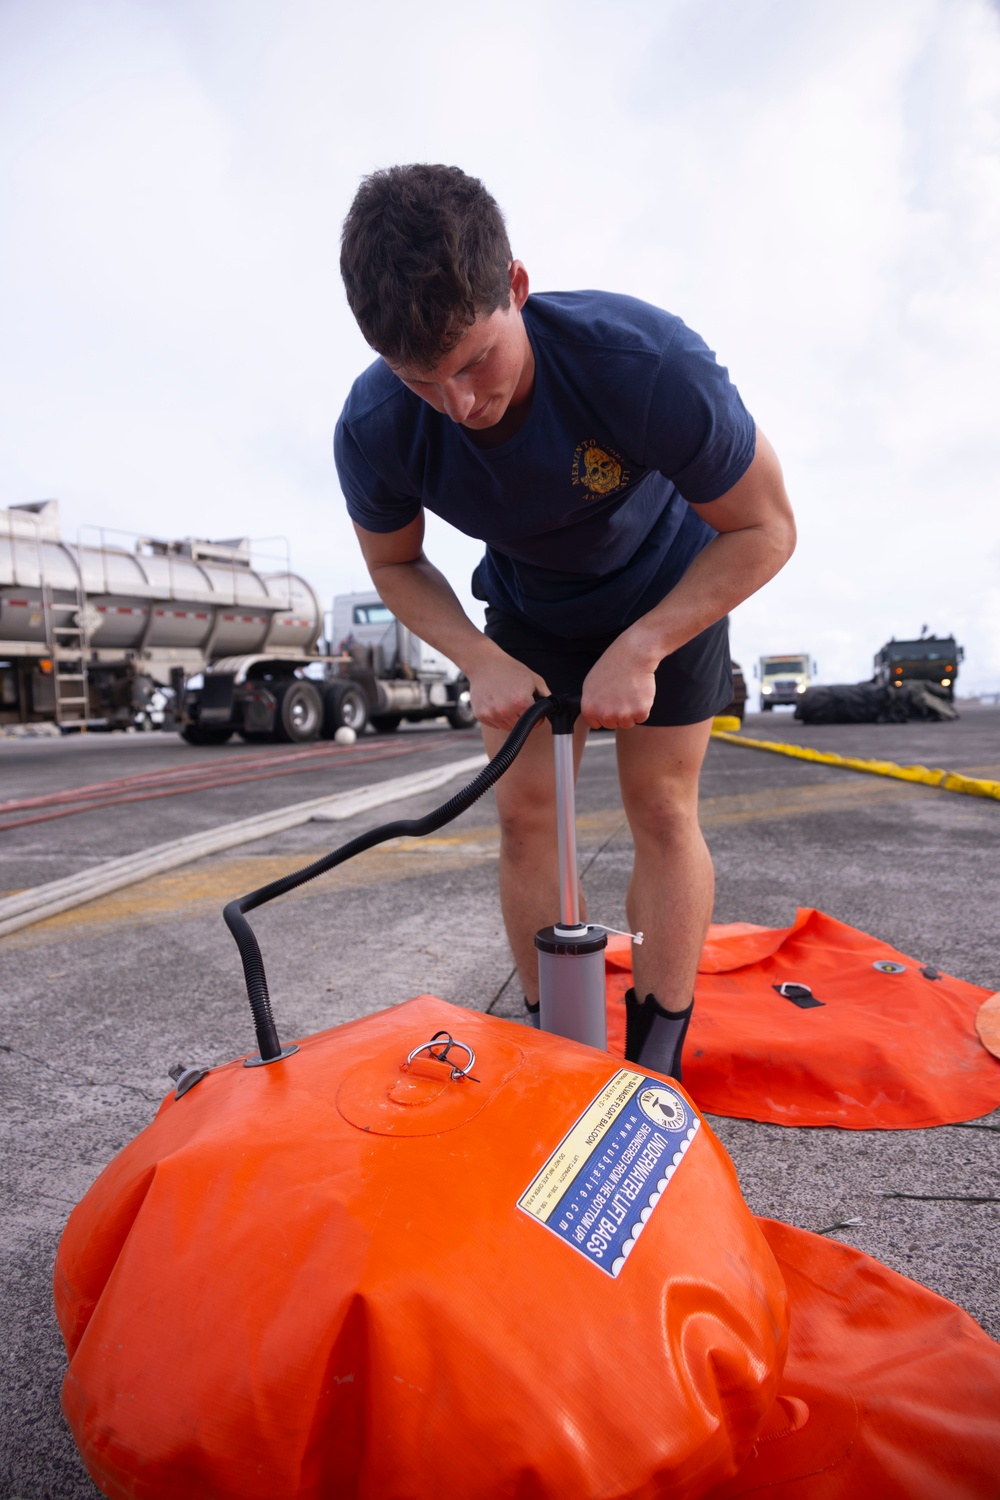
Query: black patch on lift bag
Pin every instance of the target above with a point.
(799, 994)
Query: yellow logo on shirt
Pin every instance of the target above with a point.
(597, 470)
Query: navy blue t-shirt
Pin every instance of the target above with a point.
(583, 510)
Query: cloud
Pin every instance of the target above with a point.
(815, 188)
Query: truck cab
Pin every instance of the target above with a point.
(363, 620)
(402, 676)
(783, 679)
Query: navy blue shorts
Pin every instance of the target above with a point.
(693, 683)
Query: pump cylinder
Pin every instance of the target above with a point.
(571, 984)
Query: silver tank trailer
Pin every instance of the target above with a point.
(184, 596)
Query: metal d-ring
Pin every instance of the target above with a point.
(446, 1044)
(792, 989)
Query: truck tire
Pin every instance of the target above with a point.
(344, 707)
(461, 715)
(386, 723)
(195, 734)
(299, 715)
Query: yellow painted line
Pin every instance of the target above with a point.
(197, 890)
(782, 803)
(950, 781)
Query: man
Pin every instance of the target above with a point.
(628, 504)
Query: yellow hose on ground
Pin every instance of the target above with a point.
(951, 781)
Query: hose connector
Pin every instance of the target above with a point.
(563, 713)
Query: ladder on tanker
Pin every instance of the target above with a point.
(65, 612)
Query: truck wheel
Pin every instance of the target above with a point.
(344, 707)
(461, 715)
(386, 723)
(299, 715)
(194, 734)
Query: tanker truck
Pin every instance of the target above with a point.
(89, 631)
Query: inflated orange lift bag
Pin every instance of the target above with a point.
(347, 1275)
(820, 1024)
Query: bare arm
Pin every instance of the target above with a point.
(419, 595)
(756, 537)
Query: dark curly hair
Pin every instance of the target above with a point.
(424, 251)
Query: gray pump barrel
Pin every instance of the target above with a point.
(571, 986)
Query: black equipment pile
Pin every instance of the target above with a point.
(874, 703)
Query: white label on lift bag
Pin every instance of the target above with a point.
(602, 1182)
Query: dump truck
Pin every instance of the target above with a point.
(783, 678)
(931, 659)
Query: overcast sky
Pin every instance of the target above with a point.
(813, 185)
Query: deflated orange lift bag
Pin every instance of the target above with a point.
(342, 1275)
(864, 1037)
(889, 1392)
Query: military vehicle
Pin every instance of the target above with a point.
(930, 658)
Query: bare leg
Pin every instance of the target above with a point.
(529, 852)
(671, 893)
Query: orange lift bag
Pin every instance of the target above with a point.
(396, 1265)
(889, 1390)
(820, 1024)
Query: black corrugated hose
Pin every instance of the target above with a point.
(234, 913)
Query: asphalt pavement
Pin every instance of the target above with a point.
(99, 1002)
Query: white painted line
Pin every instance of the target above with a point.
(41, 901)
(349, 804)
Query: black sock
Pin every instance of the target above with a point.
(654, 1037)
(532, 1018)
